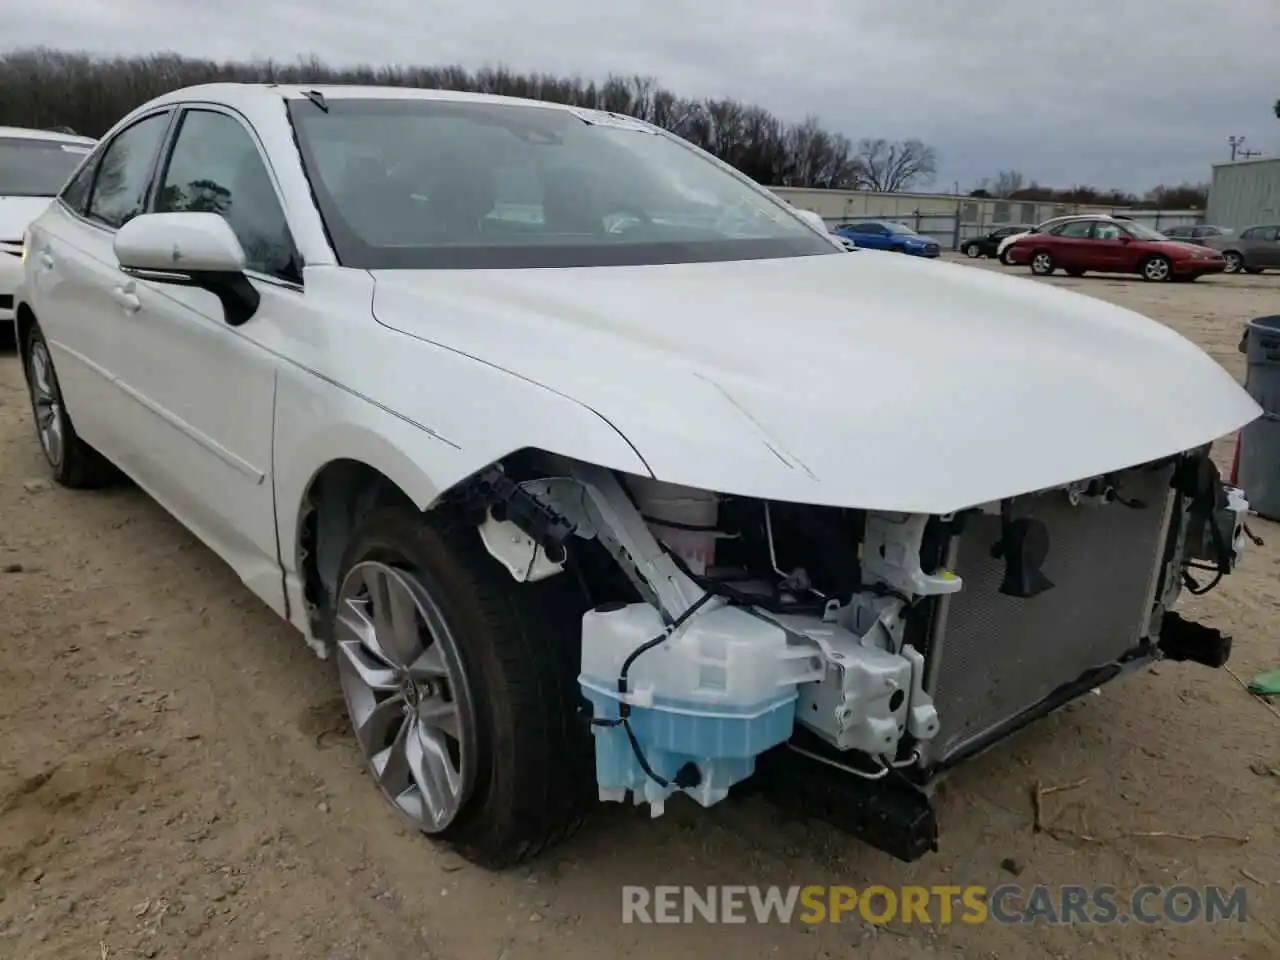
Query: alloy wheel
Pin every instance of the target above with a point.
(1157, 268)
(46, 402)
(971, 251)
(1042, 263)
(1234, 262)
(406, 693)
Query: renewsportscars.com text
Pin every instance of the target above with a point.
(1006, 904)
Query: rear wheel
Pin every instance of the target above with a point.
(73, 462)
(972, 251)
(1042, 263)
(1003, 257)
(1235, 262)
(461, 686)
(1157, 269)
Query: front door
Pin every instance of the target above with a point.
(1111, 248)
(1268, 248)
(205, 390)
(1072, 245)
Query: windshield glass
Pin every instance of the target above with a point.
(1143, 232)
(36, 168)
(422, 184)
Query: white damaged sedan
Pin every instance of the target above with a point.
(599, 472)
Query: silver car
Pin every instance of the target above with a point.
(1251, 250)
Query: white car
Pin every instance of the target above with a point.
(554, 431)
(34, 165)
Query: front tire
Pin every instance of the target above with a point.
(72, 462)
(461, 686)
(972, 251)
(1042, 264)
(1157, 269)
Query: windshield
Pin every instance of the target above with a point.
(1143, 232)
(37, 168)
(421, 184)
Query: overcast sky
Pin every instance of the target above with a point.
(1127, 93)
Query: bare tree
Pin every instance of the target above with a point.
(1007, 183)
(47, 88)
(888, 166)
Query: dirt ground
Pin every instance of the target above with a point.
(175, 780)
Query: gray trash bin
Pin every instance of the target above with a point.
(1258, 473)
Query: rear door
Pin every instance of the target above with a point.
(80, 296)
(1071, 245)
(873, 235)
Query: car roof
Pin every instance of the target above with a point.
(54, 136)
(244, 94)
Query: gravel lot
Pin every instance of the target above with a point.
(175, 779)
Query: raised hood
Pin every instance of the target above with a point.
(871, 380)
(16, 214)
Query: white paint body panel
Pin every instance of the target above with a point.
(872, 380)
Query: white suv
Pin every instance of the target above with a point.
(34, 164)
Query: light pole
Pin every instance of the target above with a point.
(1236, 143)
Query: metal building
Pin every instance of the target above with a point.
(1245, 192)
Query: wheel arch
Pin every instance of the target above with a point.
(343, 491)
(24, 323)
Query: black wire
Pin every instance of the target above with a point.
(624, 709)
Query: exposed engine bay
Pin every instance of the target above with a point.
(875, 650)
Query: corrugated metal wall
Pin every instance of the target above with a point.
(1245, 193)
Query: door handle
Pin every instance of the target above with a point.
(46, 260)
(127, 299)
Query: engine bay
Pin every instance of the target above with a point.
(720, 629)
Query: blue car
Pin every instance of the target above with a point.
(888, 235)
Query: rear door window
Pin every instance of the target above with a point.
(1075, 230)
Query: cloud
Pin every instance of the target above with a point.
(1113, 94)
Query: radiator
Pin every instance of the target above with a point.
(993, 656)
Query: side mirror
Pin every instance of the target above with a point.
(191, 250)
(811, 218)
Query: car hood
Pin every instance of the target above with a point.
(16, 214)
(877, 382)
(1184, 248)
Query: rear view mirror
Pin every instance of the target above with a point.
(192, 250)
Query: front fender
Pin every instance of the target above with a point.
(318, 422)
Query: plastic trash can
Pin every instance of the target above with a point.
(1258, 470)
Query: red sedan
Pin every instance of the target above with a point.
(1113, 246)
